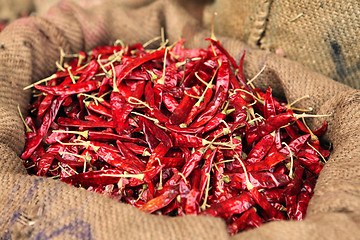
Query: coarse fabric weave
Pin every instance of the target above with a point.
(321, 35)
(40, 208)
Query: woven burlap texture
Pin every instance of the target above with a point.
(39, 208)
(322, 35)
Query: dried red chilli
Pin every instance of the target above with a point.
(174, 131)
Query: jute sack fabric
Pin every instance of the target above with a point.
(322, 35)
(40, 208)
(13, 9)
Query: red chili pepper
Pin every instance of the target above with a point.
(89, 72)
(47, 121)
(205, 172)
(186, 140)
(123, 70)
(170, 102)
(260, 150)
(68, 122)
(70, 89)
(94, 178)
(193, 162)
(211, 109)
(319, 132)
(158, 133)
(260, 180)
(249, 217)
(181, 112)
(119, 161)
(272, 123)
(269, 106)
(229, 207)
(161, 201)
(199, 106)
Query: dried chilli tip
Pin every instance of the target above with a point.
(174, 131)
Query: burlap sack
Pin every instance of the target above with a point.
(39, 208)
(13, 9)
(322, 35)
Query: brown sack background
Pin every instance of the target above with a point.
(39, 208)
(321, 35)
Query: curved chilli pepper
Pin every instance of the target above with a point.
(293, 189)
(183, 109)
(319, 132)
(129, 155)
(104, 51)
(295, 145)
(118, 103)
(271, 160)
(269, 106)
(123, 70)
(235, 205)
(186, 140)
(260, 180)
(57, 136)
(107, 136)
(137, 149)
(223, 76)
(261, 200)
(69, 122)
(211, 109)
(149, 137)
(274, 195)
(192, 205)
(170, 102)
(199, 106)
(158, 133)
(32, 132)
(314, 167)
(248, 217)
(260, 150)
(45, 163)
(255, 132)
(119, 161)
(159, 151)
(99, 108)
(301, 205)
(193, 162)
(60, 90)
(218, 178)
(48, 119)
(205, 170)
(90, 71)
(161, 201)
(94, 178)
(44, 105)
(292, 131)
(214, 122)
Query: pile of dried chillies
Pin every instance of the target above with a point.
(173, 131)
